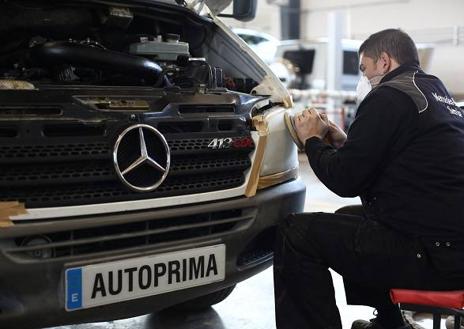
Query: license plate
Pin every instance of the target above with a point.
(112, 282)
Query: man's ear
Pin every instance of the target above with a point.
(385, 62)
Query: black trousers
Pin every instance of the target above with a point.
(370, 257)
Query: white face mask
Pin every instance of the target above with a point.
(363, 88)
(365, 85)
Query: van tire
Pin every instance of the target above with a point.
(204, 302)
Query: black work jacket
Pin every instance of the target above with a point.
(404, 156)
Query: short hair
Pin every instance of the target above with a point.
(394, 42)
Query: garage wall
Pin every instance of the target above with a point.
(433, 18)
(366, 16)
(427, 21)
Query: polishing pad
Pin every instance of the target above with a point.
(289, 122)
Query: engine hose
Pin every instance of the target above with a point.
(63, 52)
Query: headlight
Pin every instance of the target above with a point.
(276, 158)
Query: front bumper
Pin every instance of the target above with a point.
(32, 290)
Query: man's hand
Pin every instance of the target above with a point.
(336, 136)
(310, 124)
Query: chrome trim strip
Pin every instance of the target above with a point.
(114, 207)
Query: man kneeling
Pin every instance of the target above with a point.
(404, 155)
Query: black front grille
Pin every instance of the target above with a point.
(48, 173)
(89, 241)
(55, 174)
(53, 152)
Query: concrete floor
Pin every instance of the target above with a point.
(251, 305)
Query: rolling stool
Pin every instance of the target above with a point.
(435, 302)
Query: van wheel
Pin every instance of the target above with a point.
(203, 302)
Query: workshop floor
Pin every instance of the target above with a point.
(251, 305)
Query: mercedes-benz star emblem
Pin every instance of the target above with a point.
(141, 157)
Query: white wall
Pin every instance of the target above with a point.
(429, 21)
(364, 17)
(425, 20)
(448, 64)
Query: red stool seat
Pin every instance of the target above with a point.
(445, 299)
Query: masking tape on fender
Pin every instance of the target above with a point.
(288, 102)
(266, 181)
(8, 209)
(260, 123)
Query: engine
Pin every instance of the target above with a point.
(148, 62)
(101, 46)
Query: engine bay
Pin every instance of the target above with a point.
(88, 43)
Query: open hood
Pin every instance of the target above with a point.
(217, 6)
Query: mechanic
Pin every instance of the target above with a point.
(404, 156)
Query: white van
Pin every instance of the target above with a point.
(144, 160)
